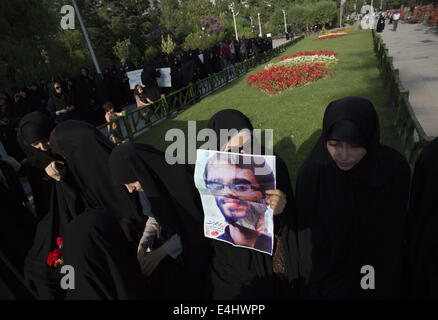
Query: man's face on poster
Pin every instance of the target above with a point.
(237, 192)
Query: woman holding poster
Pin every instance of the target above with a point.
(242, 272)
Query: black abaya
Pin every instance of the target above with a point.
(95, 246)
(422, 241)
(239, 273)
(86, 151)
(17, 230)
(64, 204)
(350, 219)
(176, 206)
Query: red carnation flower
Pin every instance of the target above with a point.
(50, 260)
(59, 242)
(57, 254)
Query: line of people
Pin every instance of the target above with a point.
(132, 225)
(83, 97)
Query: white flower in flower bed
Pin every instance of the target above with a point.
(328, 60)
(332, 34)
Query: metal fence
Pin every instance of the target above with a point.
(131, 124)
(408, 128)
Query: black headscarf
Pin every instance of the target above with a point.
(240, 273)
(422, 240)
(349, 219)
(228, 119)
(86, 151)
(35, 126)
(175, 204)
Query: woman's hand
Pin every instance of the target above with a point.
(276, 200)
(54, 172)
(150, 261)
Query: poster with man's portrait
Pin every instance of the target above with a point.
(233, 193)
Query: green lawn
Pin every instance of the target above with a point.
(296, 115)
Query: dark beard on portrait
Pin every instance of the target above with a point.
(251, 220)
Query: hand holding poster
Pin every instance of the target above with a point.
(233, 193)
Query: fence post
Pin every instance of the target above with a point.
(127, 125)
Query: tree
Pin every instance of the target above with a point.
(277, 21)
(30, 49)
(167, 45)
(125, 50)
(172, 16)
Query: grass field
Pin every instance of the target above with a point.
(296, 115)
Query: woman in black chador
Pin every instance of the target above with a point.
(65, 202)
(60, 104)
(380, 24)
(76, 158)
(422, 239)
(177, 263)
(85, 151)
(351, 197)
(240, 273)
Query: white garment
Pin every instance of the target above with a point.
(232, 49)
(173, 246)
(396, 16)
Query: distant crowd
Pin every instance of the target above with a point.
(91, 97)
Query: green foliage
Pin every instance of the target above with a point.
(167, 45)
(125, 50)
(28, 48)
(35, 47)
(173, 16)
(196, 40)
(302, 16)
(395, 4)
(245, 32)
(277, 21)
(195, 10)
(151, 52)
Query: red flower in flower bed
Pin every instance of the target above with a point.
(330, 36)
(311, 53)
(280, 78)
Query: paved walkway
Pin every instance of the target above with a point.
(415, 51)
(278, 42)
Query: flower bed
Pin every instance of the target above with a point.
(330, 36)
(299, 69)
(336, 32)
(280, 78)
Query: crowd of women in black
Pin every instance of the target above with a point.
(82, 97)
(132, 224)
